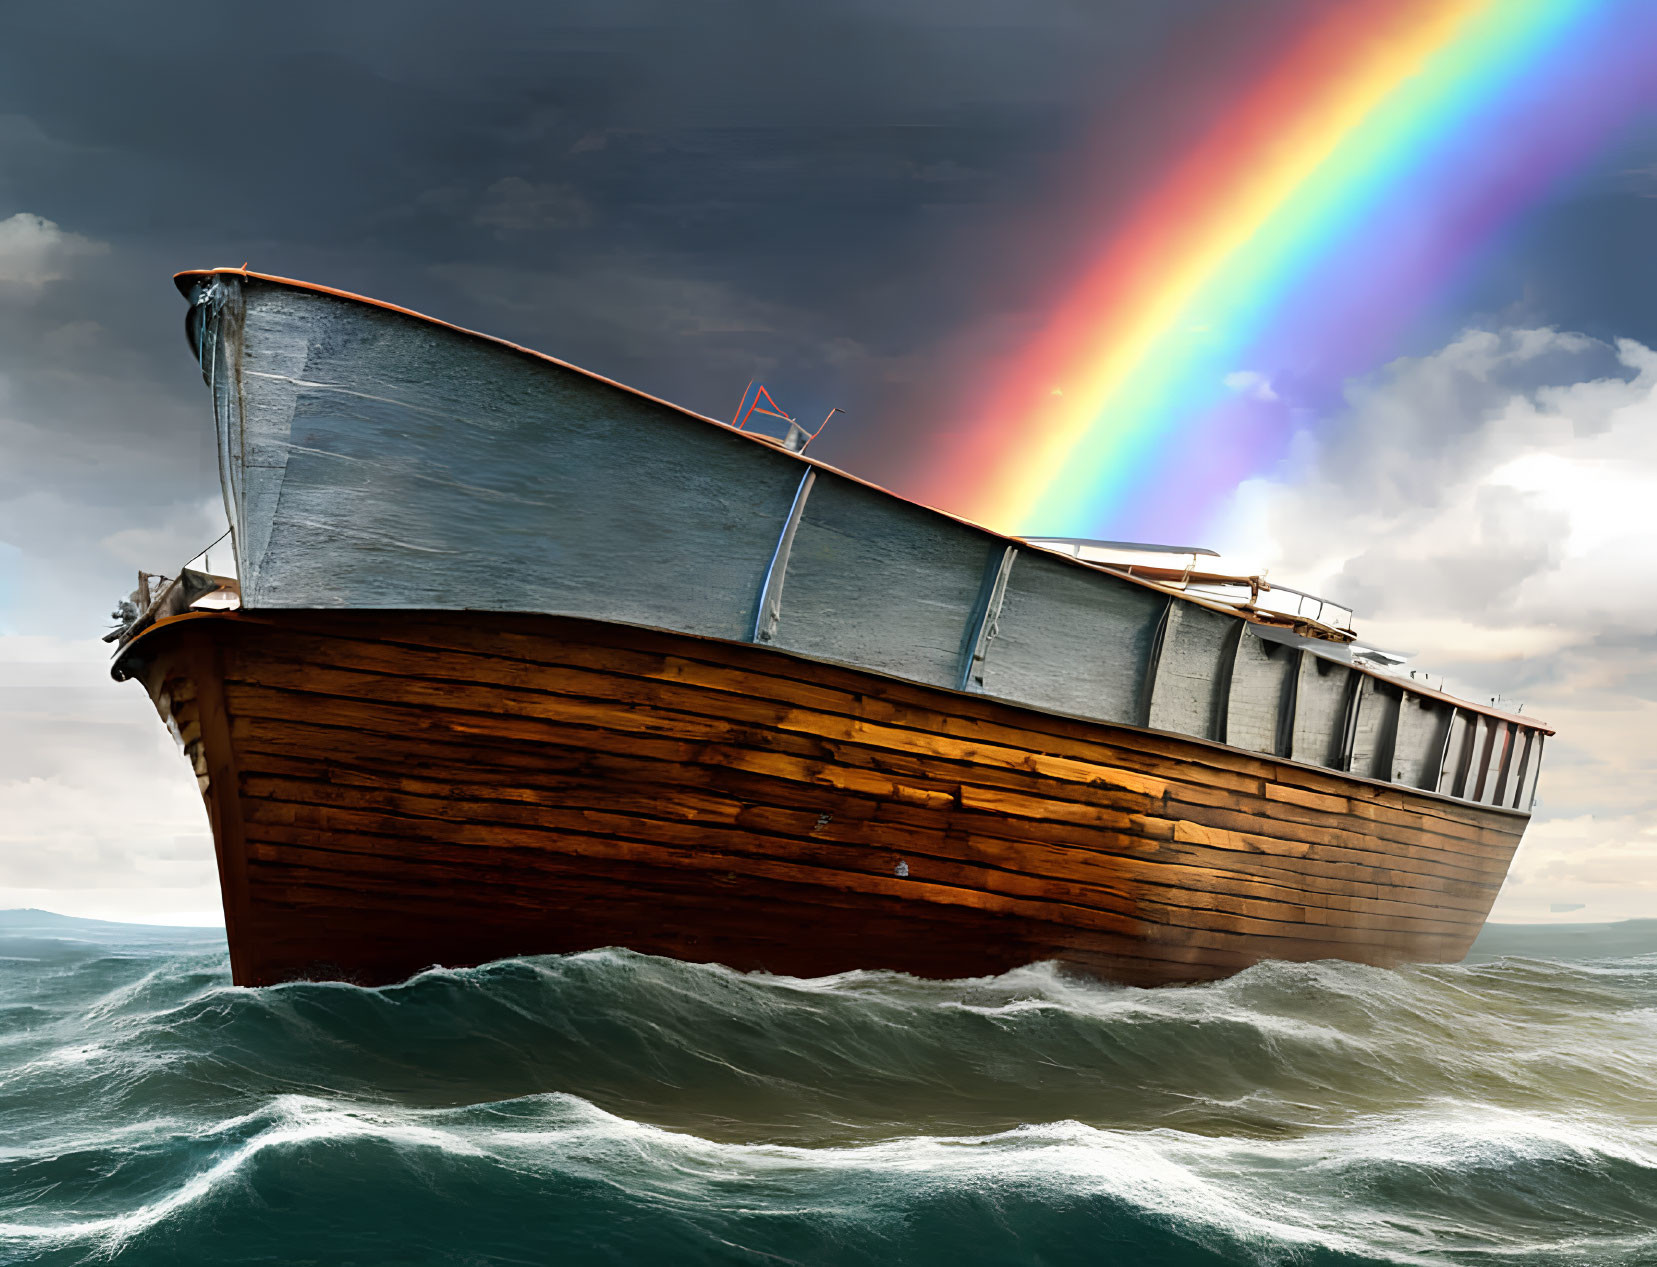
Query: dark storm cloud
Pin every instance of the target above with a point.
(855, 201)
(680, 196)
(747, 137)
(1584, 263)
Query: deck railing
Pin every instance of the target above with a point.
(1293, 602)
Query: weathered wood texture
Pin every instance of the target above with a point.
(374, 459)
(394, 789)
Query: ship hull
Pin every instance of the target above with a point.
(395, 789)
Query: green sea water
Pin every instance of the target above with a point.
(611, 1107)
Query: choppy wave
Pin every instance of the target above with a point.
(613, 1107)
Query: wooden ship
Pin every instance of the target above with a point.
(515, 659)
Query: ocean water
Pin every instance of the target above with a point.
(611, 1107)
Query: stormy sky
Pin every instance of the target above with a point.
(854, 202)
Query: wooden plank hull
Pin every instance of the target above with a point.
(395, 789)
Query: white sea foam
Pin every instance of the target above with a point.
(292, 1121)
(1276, 1191)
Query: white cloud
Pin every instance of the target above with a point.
(102, 470)
(170, 542)
(1492, 509)
(34, 251)
(100, 814)
(1603, 866)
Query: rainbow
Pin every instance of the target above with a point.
(1342, 194)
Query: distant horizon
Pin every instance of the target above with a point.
(93, 919)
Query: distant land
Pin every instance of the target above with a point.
(27, 922)
(1615, 940)
(33, 918)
